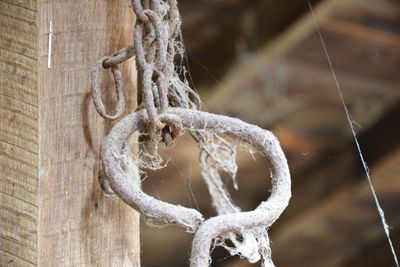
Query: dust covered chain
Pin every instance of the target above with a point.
(168, 107)
(156, 64)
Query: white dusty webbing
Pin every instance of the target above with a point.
(217, 155)
(267, 212)
(351, 125)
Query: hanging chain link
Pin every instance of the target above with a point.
(155, 63)
(119, 86)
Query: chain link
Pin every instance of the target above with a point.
(155, 63)
(96, 90)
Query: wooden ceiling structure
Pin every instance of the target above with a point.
(285, 84)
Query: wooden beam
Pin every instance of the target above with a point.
(52, 210)
(19, 134)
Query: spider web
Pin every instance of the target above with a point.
(359, 150)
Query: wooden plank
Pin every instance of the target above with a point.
(78, 225)
(18, 134)
(52, 210)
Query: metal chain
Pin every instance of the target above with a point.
(156, 63)
(96, 90)
(157, 24)
(157, 27)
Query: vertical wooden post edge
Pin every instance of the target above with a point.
(52, 210)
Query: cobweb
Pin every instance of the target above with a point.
(360, 153)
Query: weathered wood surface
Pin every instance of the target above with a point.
(52, 210)
(19, 134)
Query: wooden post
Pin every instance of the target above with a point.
(52, 210)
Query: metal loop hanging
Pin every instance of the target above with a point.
(96, 91)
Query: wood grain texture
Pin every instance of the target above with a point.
(78, 225)
(18, 133)
(52, 210)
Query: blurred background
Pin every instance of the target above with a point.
(262, 61)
